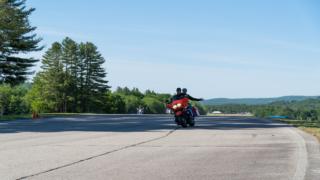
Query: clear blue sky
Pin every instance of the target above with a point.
(227, 48)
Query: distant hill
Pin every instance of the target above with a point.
(255, 101)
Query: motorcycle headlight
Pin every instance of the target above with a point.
(179, 105)
(174, 106)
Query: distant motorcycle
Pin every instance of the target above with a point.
(182, 113)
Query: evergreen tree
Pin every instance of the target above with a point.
(92, 77)
(54, 77)
(16, 37)
(71, 61)
(48, 86)
(72, 80)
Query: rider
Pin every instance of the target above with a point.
(186, 95)
(178, 95)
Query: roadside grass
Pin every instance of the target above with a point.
(15, 117)
(235, 115)
(29, 116)
(311, 127)
(58, 114)
(314, 131)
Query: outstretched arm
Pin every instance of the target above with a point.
(194, 99)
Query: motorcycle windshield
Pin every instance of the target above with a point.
(184, 102)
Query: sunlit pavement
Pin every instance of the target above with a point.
(152, 147)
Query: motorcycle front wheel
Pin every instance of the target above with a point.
(191, 124)
(180, 120)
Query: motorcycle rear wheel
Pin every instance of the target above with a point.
(191, 121)
(183, 122)
(180, 120)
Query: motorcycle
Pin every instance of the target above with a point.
(182, 113)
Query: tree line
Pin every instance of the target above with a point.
(20, 100)
(301, 110)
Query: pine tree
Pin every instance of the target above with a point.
(92, 75)
(71, 62)
(16, 37)
(54, 77)
(72, 80)
(48, 87)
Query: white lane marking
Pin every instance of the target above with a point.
(316, 171)
(302, 159)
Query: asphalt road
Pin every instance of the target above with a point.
(152, 147)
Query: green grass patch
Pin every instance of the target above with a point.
(29, 116)
(302, 123)
(314, 131)
(15, 117)
(58, 114)
(236, 115)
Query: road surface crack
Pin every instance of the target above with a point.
(98, 155)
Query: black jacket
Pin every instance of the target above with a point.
(182, 95)
(177, 97)
(190, 97)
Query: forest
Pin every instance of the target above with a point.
(308, 109)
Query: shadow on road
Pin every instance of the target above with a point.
(130, 123)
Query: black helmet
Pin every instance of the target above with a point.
(184, 90)
(178, 89)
